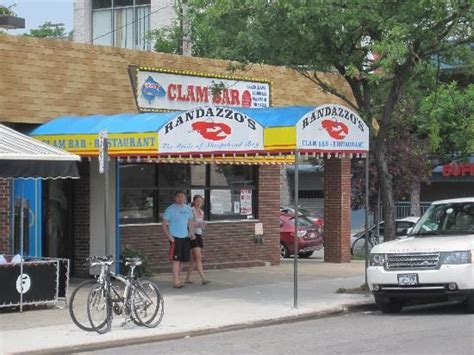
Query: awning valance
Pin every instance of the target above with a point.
(216, 133)
(24, 157)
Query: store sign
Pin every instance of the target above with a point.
(456, 169)
(118, 143)
(332, 128)
(103, 156)
(210, 129)
(159, 90)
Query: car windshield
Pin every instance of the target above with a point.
(302, 221)
(446, 219)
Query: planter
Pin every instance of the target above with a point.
(11, 22)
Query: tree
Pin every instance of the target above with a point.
(447, 115)
(49, 30)
(378, 47)
(7, 10)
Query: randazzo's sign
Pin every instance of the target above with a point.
(332, 128)
(162, 90)
(216, 129)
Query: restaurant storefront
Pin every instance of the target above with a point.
(229, 149)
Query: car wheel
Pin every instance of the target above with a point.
(469, 304)
(305, 255)
(283, 251)
(389, 305)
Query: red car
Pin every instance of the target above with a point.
(309, 236)
(317, 217)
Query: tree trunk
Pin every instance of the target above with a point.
(385, 180)
(415, 208)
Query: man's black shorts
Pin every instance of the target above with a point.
(197, 242)
(180, 250)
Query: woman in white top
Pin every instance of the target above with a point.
(197, 243)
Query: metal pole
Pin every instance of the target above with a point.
(295, 253)
(22, 231)
(106, 196)
(366, 215)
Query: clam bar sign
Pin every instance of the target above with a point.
(156, 90)
(332, 129)
(210, 129)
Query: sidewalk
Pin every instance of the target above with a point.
(235, 298)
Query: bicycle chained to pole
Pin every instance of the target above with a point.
(138, 300)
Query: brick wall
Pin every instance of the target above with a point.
(337, 211)
(226, 244)
(81, 220)
(5, 217)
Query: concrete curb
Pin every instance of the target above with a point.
(344, 309)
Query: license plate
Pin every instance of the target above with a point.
(407, 279)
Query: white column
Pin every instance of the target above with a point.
(82, 21)
(163, 13)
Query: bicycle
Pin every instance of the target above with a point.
(139, 300)
(358, 247)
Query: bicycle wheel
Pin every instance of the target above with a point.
(147, 303)
(358, 248)
(99, 309)
(78, 305)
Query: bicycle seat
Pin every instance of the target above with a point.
(135, 261)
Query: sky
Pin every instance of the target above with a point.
(37, 12)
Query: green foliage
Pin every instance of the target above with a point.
(167, 39)
(140, 271)
(447, 117)
(7, 10)
(48, 30)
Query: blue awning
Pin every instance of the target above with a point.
(213, 130)
(153, 122)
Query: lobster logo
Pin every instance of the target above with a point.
(211, 130)
(336, 130)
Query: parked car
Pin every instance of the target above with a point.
(402, 226)
(309, 237)
(317, 217)
(434, 263)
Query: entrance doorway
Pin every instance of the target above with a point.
(57, 219)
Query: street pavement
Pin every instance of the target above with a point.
(440, 329)
(235, 299)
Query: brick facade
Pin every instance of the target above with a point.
(337, 211)
(4, 217)
(226, 244)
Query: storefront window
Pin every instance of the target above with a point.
(138, 193)
(146, 190)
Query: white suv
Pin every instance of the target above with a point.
(434, 263)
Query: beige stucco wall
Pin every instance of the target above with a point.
(42, 79)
